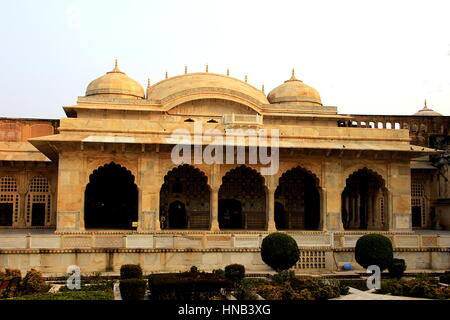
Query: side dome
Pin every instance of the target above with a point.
(115, 84)
(425, 111)
(295, 91)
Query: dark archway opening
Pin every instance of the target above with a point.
(298, 194)
(230, 214)
(177, 215)
(281, 221)
(111, 198)
(416, 216)
(185, 186)
(6, 214)
(363, 201)
(245, 186)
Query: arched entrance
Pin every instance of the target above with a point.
(242, 200)
(184, 199)
(298, 195)
(111, 198)
(364, 201)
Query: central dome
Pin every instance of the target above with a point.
(295, 91)
(202, 85)
(115, 84)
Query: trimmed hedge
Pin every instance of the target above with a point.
(130, 271)
(279, 251)
(374, 249)
(132, 289)
(397, 268)
(421, 287)
(235, 272)
(186, 286)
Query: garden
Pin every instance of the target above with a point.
(278, 250)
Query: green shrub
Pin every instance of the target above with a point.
(283, 277)
(374, 249)
(33, 282)
(420, 287)
(397, 268)
(445, 278)
(235, 272)
(132, 289)
(279, 251)
(69, 295)
(130, 271)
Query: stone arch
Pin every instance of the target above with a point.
(242, 199)
(185, 189)
(38, 202)
(111, 198)
(299, 196)
(364, 201)
(9, 201)
(229, 96)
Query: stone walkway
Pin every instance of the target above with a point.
(355, 294)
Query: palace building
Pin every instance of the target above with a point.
(100, 188)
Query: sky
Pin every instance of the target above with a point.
(365, 57)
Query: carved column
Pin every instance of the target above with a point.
(214, 205)
(270, 209)
(271, 186)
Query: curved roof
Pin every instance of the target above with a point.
(425, 111)
(192, 86)
(295, 91)
(115, 83)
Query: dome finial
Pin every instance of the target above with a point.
(167, 75)
(293, 75)
(262, 89)
(206, 67)
(425, 104)
(185, 69)
(148, 82)
(116, 66)
(245, 78)
(228, 72)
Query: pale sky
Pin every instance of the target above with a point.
(365, 57)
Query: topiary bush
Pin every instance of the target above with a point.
(193, 269)
(132, 289)
(33, 282)
(397, 268)
(130, 271)
(374, 249)
(235, 272)
(279, 251)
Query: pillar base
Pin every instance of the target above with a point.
(271, 226)
(214, 226)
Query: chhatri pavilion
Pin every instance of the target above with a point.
(100, 188)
